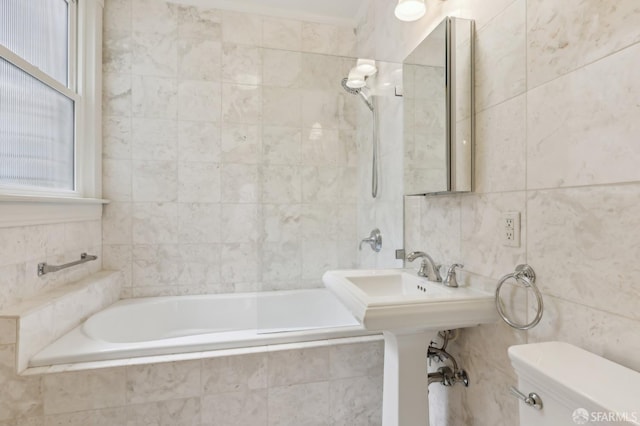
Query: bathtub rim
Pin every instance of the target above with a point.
(366, 337)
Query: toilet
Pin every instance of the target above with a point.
(576, 387)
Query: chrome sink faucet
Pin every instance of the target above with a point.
(428, 268)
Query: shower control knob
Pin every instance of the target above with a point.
(374, 240)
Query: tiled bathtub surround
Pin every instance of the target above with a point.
(228, 149)
(556, 139)
(343, 387)
(40, 320)
(21, 249)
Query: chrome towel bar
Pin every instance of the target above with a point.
(43, 268)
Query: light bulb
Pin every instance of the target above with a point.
(366, 66)
(410, 10)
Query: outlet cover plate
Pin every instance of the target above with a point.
(510, 229)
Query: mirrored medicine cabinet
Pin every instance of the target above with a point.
(438, 111)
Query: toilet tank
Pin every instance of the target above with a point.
(576, 387)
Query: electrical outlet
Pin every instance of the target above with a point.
(511, 229)
(509, 236)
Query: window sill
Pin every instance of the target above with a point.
(23, 210)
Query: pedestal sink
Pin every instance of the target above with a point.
(409, 310)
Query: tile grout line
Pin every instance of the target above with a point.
(585, 65)
(590, 307)
(526, 156)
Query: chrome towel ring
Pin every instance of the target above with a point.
(525, 276)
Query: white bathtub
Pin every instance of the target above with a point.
(170, 325)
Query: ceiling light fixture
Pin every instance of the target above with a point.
(410, 10)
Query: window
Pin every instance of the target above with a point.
(38, 96)
(50, 111)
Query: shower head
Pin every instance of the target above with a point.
(352, 90)
(362, 92)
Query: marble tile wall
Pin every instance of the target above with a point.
(228, 150)
(23, 247)
(385, 211)
(555, 140)
(272, 388)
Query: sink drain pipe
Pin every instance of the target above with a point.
(448, 375)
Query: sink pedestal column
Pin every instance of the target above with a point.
(405, 393)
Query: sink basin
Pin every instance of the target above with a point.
(409, 310)
(397, 299)
(402, 286)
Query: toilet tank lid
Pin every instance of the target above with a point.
(606, 384)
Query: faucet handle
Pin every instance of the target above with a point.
(374, 240)
(451, 280)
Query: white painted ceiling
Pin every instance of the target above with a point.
(337, 12)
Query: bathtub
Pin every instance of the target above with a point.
(172, 325)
